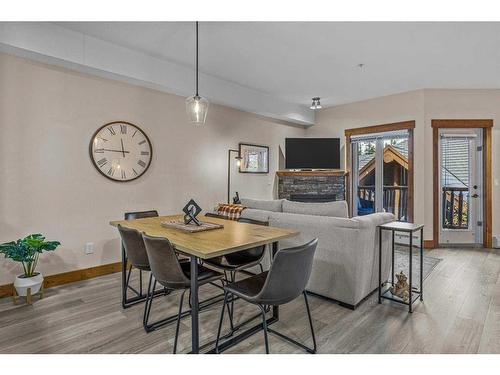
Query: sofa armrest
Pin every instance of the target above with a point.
(374, 220)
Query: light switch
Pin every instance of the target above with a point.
(89, 248)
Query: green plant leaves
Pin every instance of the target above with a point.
(27, 251)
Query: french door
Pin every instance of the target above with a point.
(460, 186)
(380, 173)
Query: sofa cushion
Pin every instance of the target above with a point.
(261, 204)
(333, 209)
(253, 214)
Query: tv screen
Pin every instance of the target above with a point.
(312, 153)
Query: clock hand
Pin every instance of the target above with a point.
(123, 150)
(120, 151)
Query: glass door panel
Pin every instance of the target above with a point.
(395, 176)
(460, 186)
(380, 174)
(365, 169)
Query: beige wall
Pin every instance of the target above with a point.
(49, 185)
(421, 106)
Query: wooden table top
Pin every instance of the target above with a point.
(212, 243)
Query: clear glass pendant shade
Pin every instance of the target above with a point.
(197, 109)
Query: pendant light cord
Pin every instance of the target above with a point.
(197, 58)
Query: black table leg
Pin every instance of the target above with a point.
(124, 278)
(274, 250)
(411, 269)
(195, 334)
(276, 309)
(421, 264)
(392, 262)
(379, 265)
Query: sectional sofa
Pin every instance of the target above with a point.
(345, 267)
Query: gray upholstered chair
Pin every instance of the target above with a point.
(286, 280)
(135, 250)
(173, 274)
(139, 295)
(236, 262)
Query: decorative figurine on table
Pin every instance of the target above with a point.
(401, 289)
(191, 210)
(236, 199)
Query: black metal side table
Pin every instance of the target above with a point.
(414, 293)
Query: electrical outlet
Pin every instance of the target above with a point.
(89, 248)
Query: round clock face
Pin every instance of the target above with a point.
(121, 151)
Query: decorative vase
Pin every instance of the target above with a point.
(22, 284)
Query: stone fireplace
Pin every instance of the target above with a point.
(311, 186)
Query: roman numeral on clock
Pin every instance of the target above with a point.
(141, 163)
(142, 142)
(123, 129)
(102, 162)
(111, 171)
(144, 152)
(124, 176)
(111, 130)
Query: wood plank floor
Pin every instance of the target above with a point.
(460, 314)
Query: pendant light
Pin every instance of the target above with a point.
(197, 106)
(315, 103)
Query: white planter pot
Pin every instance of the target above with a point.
(23, 283)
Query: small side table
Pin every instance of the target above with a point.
(414, 294)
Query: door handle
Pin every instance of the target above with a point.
(475, 195)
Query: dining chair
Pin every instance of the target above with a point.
(139, 295)
(138, 258)
(172, 273)
(239, 261)
(286, 280)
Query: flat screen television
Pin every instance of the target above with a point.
(312, 153)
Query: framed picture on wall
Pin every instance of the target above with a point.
(254, 158)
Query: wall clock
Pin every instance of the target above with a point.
(121, 151)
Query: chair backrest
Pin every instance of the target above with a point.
(140, 214)
(134, 247)
(164, 263)
(288, 275)
(249, 255)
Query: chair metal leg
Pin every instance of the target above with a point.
(147, 304)
(310, 321)
(140, 281)
(261, 268)
(220, 322)
(228, 311)
(292, 341)
(178, 321)
(264, 325)
(233, 278)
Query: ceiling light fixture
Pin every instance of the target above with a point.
(197, 106)
(315, 103)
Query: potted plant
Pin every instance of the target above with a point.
(27, 251)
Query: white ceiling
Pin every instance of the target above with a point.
(298, 60)
(274, 68)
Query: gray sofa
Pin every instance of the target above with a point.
(345, 266)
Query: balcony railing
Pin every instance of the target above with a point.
(395, 200)
(455, 207)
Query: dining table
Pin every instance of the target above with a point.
(232, 237)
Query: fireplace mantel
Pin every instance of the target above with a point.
(313, 173)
